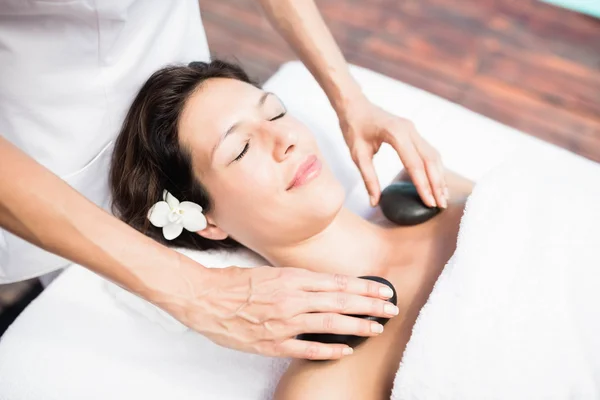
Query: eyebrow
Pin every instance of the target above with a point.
(233, 127)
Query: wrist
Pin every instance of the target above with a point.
(353, 102)
(177, 286)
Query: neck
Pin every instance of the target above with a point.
(350, 245)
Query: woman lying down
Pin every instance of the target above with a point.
(205, 134)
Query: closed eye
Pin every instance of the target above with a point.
(278, 116)
(243, 153)
(247, 146)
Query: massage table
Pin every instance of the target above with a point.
(82, 339)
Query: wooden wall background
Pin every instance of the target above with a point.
(524, 63)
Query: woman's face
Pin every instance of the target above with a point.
(262, 168)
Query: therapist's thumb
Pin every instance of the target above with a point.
(364, 161)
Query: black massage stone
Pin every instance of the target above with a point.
(401, 204)
(352, 340)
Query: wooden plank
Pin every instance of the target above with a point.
(427, 80)
(554, 80)
(531, 115)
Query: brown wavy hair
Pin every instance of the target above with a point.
(148, 157)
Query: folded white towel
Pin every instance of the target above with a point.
(516, 312)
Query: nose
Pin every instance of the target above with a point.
(285, 141)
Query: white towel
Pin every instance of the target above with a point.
(516, 312)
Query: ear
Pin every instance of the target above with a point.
(212, 231)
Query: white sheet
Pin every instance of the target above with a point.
(76, 342)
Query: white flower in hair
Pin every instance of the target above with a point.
(172, 216)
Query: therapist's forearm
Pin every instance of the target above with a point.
(41, 208)
(301, 24)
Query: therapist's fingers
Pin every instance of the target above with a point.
(296, 291)
(333, 313)
(344, 303)
(435, 171)
(332, 323)
(443, 174)
(413, 164)
(435, 182)
(364, 160)
(296, 348)
(322, 282)
(320, 323)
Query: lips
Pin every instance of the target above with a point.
(307, 171)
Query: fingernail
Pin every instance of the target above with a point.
(432, 201)
(376, 328)
(386, 292)
(347, 351)
(444, 203)
(372, 199)
(391, 309)
(446, 193)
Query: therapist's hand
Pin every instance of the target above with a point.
(260, 310)
(366, 127)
